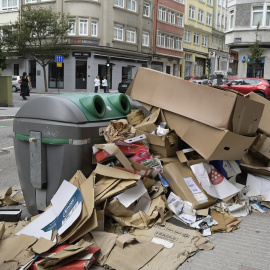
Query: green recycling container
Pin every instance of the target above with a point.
(53, 138)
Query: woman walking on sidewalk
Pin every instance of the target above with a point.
(25, 86)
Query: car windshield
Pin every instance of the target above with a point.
(127, 81)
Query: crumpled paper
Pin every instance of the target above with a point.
(119, 130)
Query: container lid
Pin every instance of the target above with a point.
(76, 107)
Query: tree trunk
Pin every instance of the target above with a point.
(44, 76)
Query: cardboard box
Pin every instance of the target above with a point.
(262, 145)
(209, 142)
(265, 119)
(190, 156)
(179, 176)
(204, 104)
(166, 146)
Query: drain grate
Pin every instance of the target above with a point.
(4, 152)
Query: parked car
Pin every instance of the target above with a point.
(189, 78)
(16, 83)
(247, 85)
(123, 86)
(202, 82)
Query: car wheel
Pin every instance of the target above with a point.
(260, 94)
(14, 89)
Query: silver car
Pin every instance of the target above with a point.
(16, 83)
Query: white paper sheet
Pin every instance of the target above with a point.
(131, 195)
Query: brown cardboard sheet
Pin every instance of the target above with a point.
(209, 142)
(176, 174)
(265, 120)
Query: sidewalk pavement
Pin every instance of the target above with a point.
(8, 112)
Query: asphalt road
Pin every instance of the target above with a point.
(8, 170)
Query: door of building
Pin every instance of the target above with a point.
(81, 74)
(168, 69)
(32, 72)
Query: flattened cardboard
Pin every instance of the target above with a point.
(265, 119)
(115, 173)
(174, 173)
(197, 102)
(247, 116)
(13, 249)
(185, 243)
(118, 257)
(209, 142)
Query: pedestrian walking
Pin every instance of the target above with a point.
(96, 83)
(25, 84)
(105, 84)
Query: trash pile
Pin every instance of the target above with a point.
(191, 164)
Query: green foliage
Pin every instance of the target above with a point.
(256, 52)
(3, 64)
(38, 34)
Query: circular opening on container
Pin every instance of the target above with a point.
(99, 105)
(125, 103)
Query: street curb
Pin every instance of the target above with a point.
(6, 117)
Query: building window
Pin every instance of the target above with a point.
(187, 35)
(231, 25)
(170, 42)
(200, 15)
(196, 38)
(119, 3)
(204, 40)
(161, 39)
(83, 27)
(257, 14)
(145, 39)
(222, 20)
(30, 1)
(94, 28)
(171, 17)
(209, 19)
(146, 9)
(7, 4)
(268, 16)
(218, 19)
(178, 43)
(188, 57)
(219, 2)
(162, 14)
(179, 19)
(72, 25)
(131, 35)
(209, 2)
(132, 5)
(191, 13)
(118, 32)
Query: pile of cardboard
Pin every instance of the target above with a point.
(191, 164)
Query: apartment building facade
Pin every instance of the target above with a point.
(218, 51)
(243, 19)
(113, 36)
(168, 31)
(198, 30)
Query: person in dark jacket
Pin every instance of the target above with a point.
(25, 86)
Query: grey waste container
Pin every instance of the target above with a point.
(53, 138)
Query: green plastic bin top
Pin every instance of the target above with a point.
(76, 107)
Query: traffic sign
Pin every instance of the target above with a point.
(59, 59)
(58, 64)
